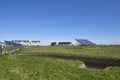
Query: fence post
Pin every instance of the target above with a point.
(0, 50)
(1, 47)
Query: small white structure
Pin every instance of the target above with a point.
(61, 43)
(27, 42)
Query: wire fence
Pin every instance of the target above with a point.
(9, 50)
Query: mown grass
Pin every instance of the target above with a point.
(91, 51)
(41, 68)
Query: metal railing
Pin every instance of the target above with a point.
(8, 49)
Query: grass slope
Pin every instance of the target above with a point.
(92, 51)
(42, 68)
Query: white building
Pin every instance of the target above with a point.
(27, 42)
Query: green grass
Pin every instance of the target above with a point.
(41, 68)
(91, 51)
(13, 67)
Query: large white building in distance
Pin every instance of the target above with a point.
(23, 42)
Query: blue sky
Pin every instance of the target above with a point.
(60, 20)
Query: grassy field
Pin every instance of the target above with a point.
(92, 51)
(41, 68)
(13, 67)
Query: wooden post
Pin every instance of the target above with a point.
(0, 48)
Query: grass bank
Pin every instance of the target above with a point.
(41, 68)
